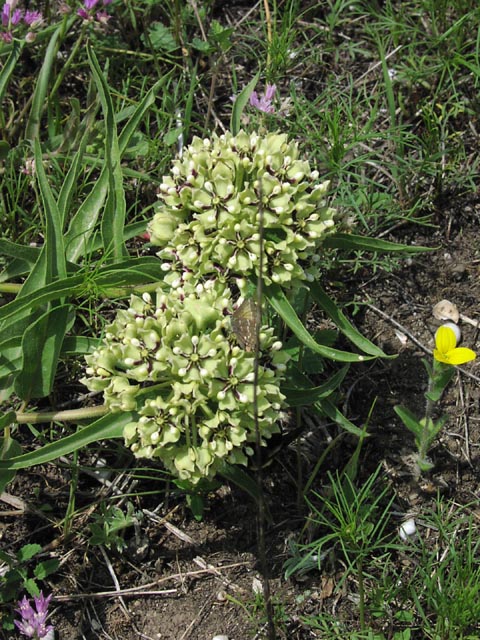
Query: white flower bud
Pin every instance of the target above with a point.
(456, 330)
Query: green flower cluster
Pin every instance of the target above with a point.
(178, 364)
(208, 217)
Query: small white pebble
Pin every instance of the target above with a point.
(220, 637)
(407, 529)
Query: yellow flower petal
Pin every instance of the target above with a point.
(440, 357)
(445, 340)
(460, 355)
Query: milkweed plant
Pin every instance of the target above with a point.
(175, 359)
(196, 371)
(446, 356)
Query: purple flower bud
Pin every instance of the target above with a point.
(83, 14)
(16, 17)
(5, 15)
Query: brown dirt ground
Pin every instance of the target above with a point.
(197, 575)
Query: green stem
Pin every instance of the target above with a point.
(361, 595)
(69, 61)
(61, 416)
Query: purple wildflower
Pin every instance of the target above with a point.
(33, 18)
(265, 102)
(87, 11)
(11, 17)
(32, 623)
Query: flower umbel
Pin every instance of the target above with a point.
(446, 349)
(265, 102)
(33, 623)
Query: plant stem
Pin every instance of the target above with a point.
(61, 416)
(361, 595)
(69, 61)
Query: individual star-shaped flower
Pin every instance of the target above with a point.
(446, 349)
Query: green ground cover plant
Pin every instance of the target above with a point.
(180, 196)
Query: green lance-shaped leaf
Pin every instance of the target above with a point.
(345, 326)
(240, 104)
(307, 395)
(41, 346)
(82, 226)
(409, 420)
(132, 271)
(278, 300)
(41, 87)
(107, 427)
(115, 207)
(361, 243)
(330, 409)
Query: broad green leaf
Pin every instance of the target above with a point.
(46, 568)
(277, 299)
(41, 87)
(240, 104)
(409, 420)
(107, 427)
(335, 314)
(361, 243)
(161, 38)
(114, 212)
(41, 346)
(28, 551)
(298, 397)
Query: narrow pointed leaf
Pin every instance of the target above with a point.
(277, 299)
(345, 326)
(240, 104)
(409, 420)
(41, 87)
(298, 397)
(362, 243)
(114, 213)
(107, 427)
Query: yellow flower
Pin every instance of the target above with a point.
(446, 349)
